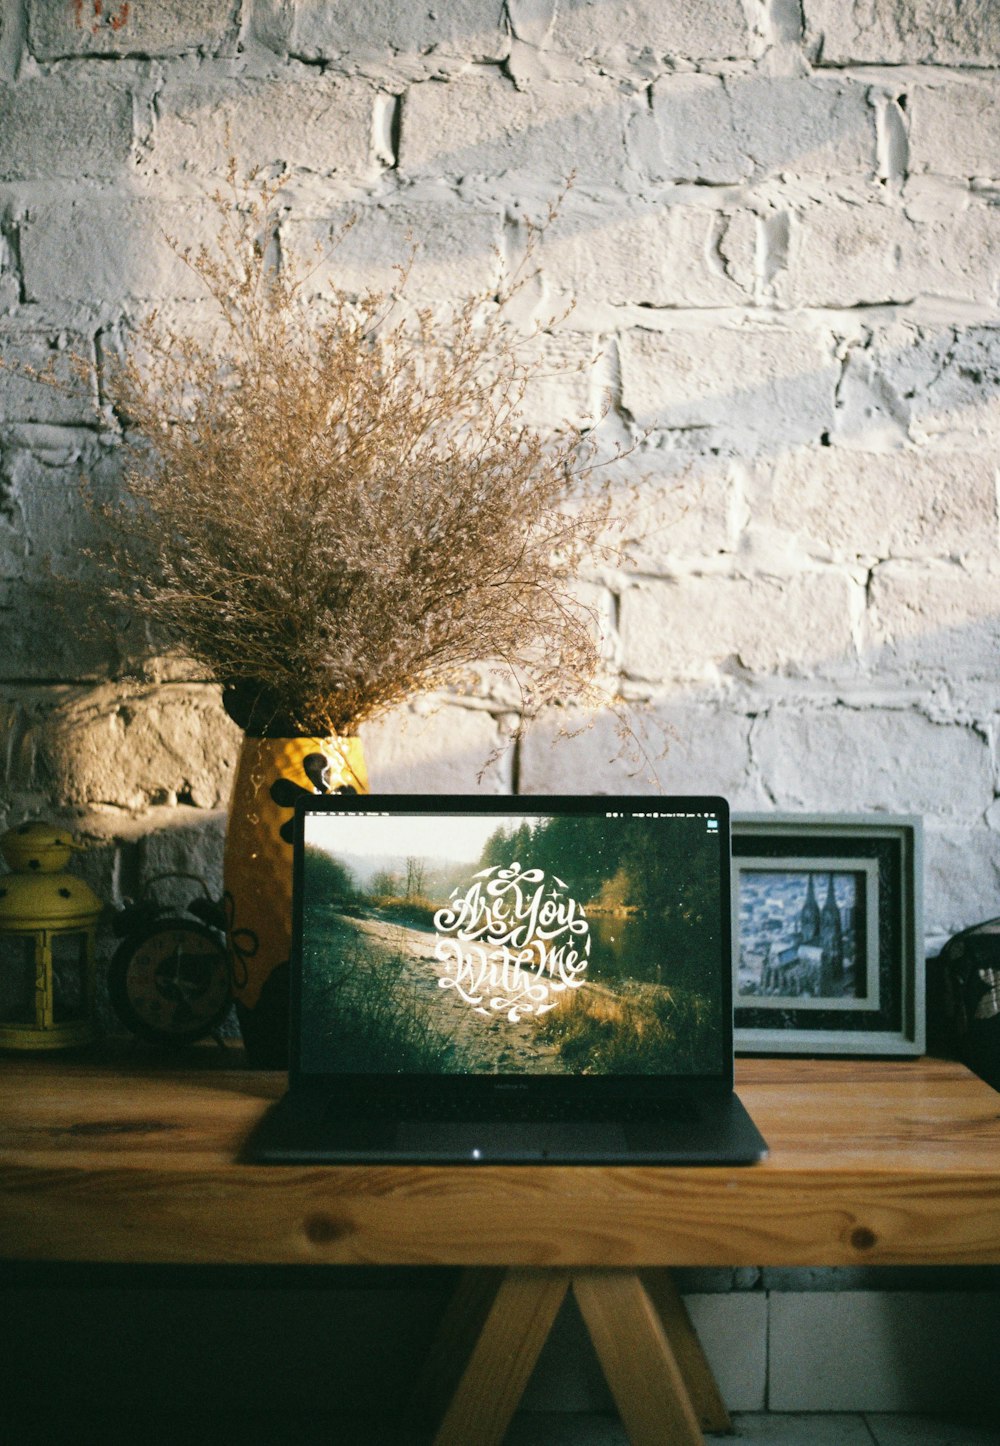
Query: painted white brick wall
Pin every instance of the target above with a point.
(783, 250)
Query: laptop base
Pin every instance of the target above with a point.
(300, 1129)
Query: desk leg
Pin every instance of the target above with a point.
(636, 1359)
(460, 1328)
(516, 1327)
(498, 1320)
(701, 1384)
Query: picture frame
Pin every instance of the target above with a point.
(828, 945)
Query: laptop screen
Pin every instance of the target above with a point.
(512, 937)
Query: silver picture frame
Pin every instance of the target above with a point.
(828, 945)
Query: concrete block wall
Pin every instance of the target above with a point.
(782, 250)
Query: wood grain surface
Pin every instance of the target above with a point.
(871, 1163)
(503, 1357)
(637, 1359)
(701, 1385)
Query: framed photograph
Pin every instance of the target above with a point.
(828, 951)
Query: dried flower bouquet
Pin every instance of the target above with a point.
(331, 503)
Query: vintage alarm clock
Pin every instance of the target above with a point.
(169, 977)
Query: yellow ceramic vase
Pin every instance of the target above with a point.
(272, 774)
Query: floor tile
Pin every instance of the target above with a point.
(529, 1428)
(541, 1428)
(799, 1429)
(897, 1430)
(564, 1428)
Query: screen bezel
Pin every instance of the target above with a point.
(493, 1093)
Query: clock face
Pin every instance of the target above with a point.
(172, 983)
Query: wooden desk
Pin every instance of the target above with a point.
(871, 1163)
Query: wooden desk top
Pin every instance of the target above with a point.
(871, 1163)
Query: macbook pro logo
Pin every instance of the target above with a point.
(513, 942)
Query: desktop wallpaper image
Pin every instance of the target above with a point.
(492, 945)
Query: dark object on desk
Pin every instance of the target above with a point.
(169, 977)
(968, 970)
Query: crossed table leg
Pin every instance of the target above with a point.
(498, 1321)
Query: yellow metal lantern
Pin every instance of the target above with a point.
(48, 921)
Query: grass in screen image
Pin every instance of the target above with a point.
(632, 1030)
(372, 1017)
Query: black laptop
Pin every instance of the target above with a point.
(517, 980)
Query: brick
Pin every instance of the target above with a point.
(961, 874)
(562, 390)
(591, 29)
(98, 863)
(436, 749)
(933, 385)
(652, 255)
(46, 470)
(955, 129)
(323, 126)
(27, 400)
(469, 28)
(933, 625)
(842, 505)
(478, 124)
(63, 126)
(58, 28)
(13, 729)
(270, 23)
(106, 249)
(688, 749)
(28, 489)
(904, 31)
(728, 130)
(859, 252)
(745, 389)
(852, 760)
(10, 269)
(45, 528)
(140, 749)
(844, 255)
(675, 505)
(954, 255)
(872, 414)
(961, 401)
(691, 627)
(190, 842)
(456, 255)
(124, 853)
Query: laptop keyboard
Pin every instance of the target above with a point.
(669, 1111)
